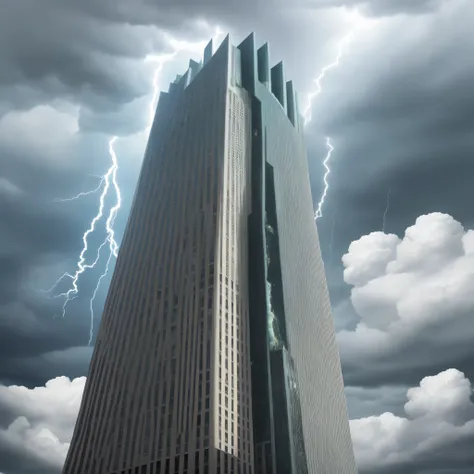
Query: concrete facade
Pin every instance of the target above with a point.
(216, 352)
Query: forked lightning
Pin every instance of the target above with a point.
(109, 184)
(110, 187)
(307, 111)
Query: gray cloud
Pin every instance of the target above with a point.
(35, 369)
(97, 64)
(403, 122)
(35, 437)
(414, 301)
(434, 434)
(94, 63)
(363, 402)
(398, 109)
(386, 7)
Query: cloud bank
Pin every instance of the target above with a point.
(414, 298)
(438, 421)
(35, 436)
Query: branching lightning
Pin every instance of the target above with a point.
(111, 190)
(82, 193)
(307, 111)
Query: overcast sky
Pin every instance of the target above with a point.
(396, 230)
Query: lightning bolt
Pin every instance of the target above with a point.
(319, 210)
(342, 45)
(82, 193)
(109, 184)
(387, 207)
(307, 110)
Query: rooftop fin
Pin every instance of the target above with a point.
(208, 51)
(263, 58)
(278, 83)
(248, 55)
(291, 103)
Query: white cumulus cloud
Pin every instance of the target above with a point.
(413, 296)
(439, 418)
(38, 424)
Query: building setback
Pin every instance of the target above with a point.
(216, 351)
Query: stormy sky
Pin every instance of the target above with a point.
(396, 231)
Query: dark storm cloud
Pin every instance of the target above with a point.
(173, 11)
(399, 110)
(430, 433)
(33, 370)
(14, 461)
(403, 125)
(39, 240)
(364, 130)
(367, 130)
(33, 224)
(411, 361)
(92, 66)
(36, 227)
(452, 458)
(385, 7)
(37, 343)
(93, 62)
(27, 232)
(175, 15)
(95, 65)
(363, 402)
(97, 62)
(49, 52)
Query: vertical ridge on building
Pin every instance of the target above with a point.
(278, 83)
(216, 352)
(263, 58)
(291, 102)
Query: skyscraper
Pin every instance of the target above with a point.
(216, 352)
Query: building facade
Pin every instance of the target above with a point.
(216, 352)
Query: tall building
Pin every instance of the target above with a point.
(216, 352)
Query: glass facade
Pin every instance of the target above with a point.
(216, 352)
(288, 293)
